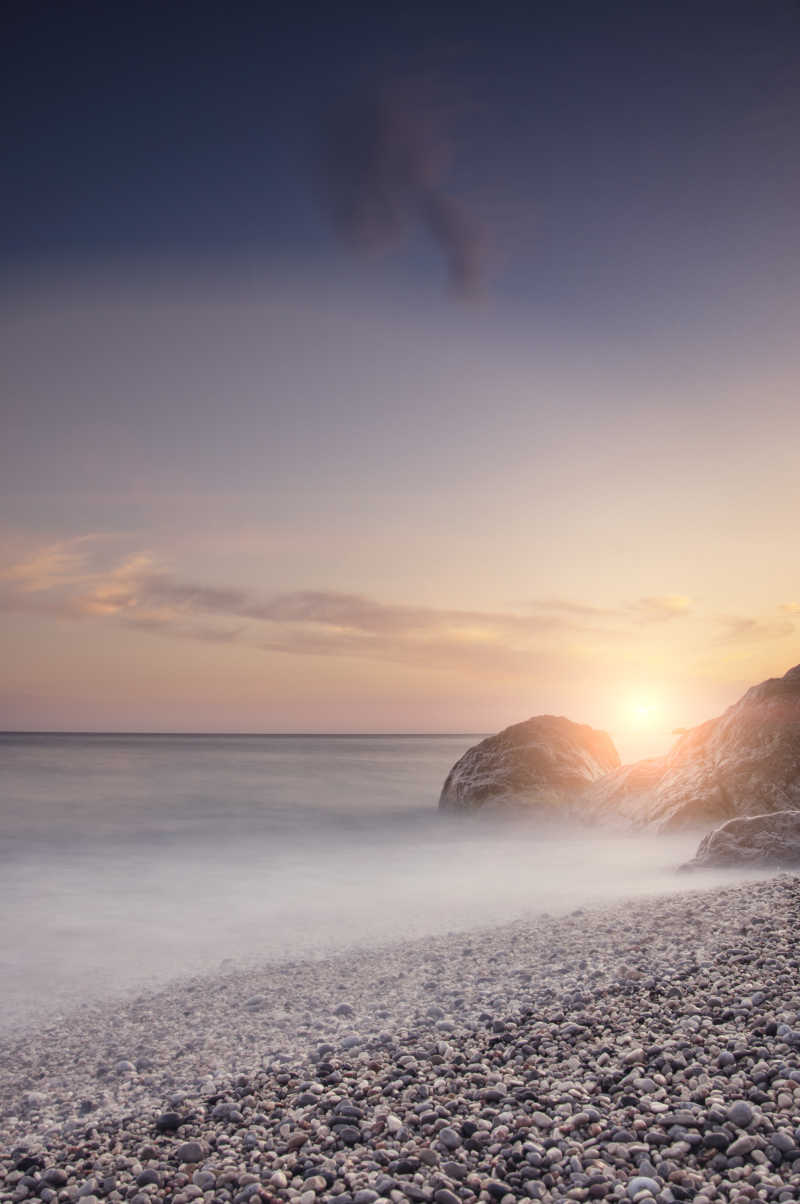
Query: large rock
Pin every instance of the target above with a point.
(543, 765)
(745, 762)
(768, 840)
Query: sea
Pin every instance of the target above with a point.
(128, 861)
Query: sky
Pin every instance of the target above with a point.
(399, 371)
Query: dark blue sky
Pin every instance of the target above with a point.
(592, 144)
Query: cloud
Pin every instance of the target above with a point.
(136, 593)
(81, 580)
(386, 169)
(662, 607)
(739, 629)
(581, 609)
(59, 564)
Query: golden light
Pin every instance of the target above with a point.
(644, 711)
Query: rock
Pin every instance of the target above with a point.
(740, 1114)
(55, 1177)
(191, 1151)
(149, 1175)
(349, 1134)
(449, 1138)
(642, 1183)
(768, 840)
(745, 762)
(741, 1147)
(541, 765)
(168, 1122)
(445, 1196)
(626, 792)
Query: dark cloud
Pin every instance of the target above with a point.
(386, 169)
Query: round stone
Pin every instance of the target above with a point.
(191, 1151)
(740, 1114)
(449, 1138)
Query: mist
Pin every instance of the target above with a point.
(145, 859)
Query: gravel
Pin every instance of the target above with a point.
(643, 1052)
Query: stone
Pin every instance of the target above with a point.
(769, 840)
(740, 1114)
(642, 1183)
(541, 765)
(191, 1151)
(349, 1134)
(168, 1122)
(55, 1177)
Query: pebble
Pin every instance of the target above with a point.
(641, 1184)
(191, 1151)
(642, 1053)
(740, 1114)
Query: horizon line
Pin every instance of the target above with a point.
(143, 732)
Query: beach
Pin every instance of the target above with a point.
(649, 1049)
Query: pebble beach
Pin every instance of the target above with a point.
(645, 1051)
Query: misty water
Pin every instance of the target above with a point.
(126, 861)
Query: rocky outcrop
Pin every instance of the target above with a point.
(757, 840)
(745, 762)
(542, 765)
(626, 792)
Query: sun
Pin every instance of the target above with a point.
(643, 711)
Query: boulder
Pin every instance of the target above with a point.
(626, 792)
(744, 762)
(544, 765)
(759, 840)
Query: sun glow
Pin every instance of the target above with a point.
(644, 712)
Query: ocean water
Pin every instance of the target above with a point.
(126, 861)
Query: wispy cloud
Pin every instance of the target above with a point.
(59, 564)
(662, 607)
(581, 609)
(80, 580)
(742, 629)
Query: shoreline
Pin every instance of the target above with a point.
(563, 1013)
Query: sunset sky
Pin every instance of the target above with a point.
(374, 372)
